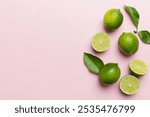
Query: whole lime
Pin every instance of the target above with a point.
(113, 18)
(110, 73)
(128, 43)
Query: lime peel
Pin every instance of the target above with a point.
(110, 73)
(113, 19)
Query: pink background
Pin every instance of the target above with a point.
(42, 44)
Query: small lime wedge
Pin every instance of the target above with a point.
(138, 67)
(129, 84)
(101, 42)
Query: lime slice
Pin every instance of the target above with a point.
(101, 42)
(129, 84)
(138, 67)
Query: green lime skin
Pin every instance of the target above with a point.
(128, 43)
(113, 19)
(110, 73)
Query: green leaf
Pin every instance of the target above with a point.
(93, 63)
(133, 13)
(144, 36)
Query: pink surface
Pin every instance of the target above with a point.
(42, 44)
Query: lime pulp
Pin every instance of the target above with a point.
(129, 85)
(101, 42)
(138, 67)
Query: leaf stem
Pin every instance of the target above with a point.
(136, 31)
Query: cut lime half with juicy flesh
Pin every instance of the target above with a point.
(101, 42)
(138, 67)
(129, 85)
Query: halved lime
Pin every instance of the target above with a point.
(101, 42)
(138, 67)
(129, 84)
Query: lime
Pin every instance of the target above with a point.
(128, 43)
(109, 73)
(129, 84)
(101, 42)
(113, 18)
(138, 67)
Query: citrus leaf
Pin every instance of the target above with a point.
(134, 15)
(144, 36)
(93, 63)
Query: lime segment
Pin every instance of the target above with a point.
(138, 67)
(129, 84)
(101, 42)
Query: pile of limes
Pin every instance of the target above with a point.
(128, 44)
